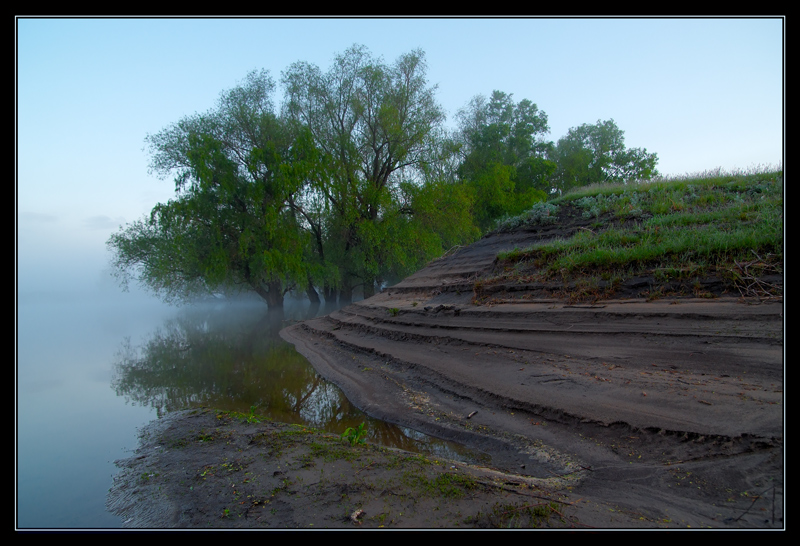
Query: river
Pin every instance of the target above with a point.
(91, 372)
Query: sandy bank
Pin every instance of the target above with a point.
(672, 410)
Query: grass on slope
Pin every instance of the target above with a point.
(716, 224)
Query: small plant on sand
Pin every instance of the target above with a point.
(394, 311)
(355, 435)
(251, 417)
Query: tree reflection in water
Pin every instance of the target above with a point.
(232, 358)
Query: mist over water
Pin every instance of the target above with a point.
(70, 425)
(95, 365)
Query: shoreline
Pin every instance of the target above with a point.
(277, 476)
(560, 458)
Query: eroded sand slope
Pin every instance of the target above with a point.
(672, 409)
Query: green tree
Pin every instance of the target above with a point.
(596, 153)
(373, 123)
(231, 225)
(442, 214)
(504, 155)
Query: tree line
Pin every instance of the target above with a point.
(352, 182)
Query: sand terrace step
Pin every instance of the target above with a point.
(761, 326)
(706, 353)
(553, 375)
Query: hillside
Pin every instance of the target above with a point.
(624, 346)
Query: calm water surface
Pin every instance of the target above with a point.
(90, 373)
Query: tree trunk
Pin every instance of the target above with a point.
(330, 298)
(313, 310)
(313, 295)
(369, 288)
(272, 294)
(345, 296)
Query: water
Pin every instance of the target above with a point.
(70, 425)
(90, 373)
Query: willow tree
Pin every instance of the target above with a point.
(372, 122)
(231, 225)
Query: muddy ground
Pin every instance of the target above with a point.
(205, 469)
(623, 412)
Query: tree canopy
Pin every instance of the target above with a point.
(231, 225)
(503, 155)
(591, 154)
(373, 123)
(351, 182)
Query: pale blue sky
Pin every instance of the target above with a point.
(701, 93)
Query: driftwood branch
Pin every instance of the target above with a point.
(749, 278)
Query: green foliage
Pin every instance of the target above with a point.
(541, 213)
(503, 153)
(355, 436)
(252, 417)
(517, 515)
(629, 204)
(330, 453)
(494, 192)
(374, 124)
(354, 184)
(694, 224)
(591, 154)
(271, 204)
(442, 211)
(501, 131)
(237, 170)
(444, 484)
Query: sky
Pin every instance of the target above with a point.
(702, 93)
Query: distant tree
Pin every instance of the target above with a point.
(504, 155)
(596, 153)
(231, 225)
(373, 123)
